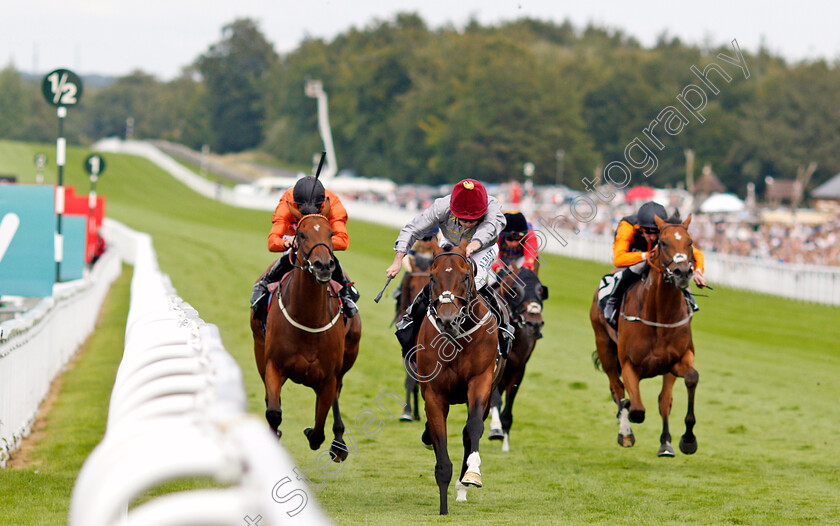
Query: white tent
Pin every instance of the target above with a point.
(722, 203)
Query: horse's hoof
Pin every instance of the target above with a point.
(339, 454)
(626, 440)
(637, 416)
(471, 479)
(665, 450)
(689, 448)
(426, 438)
(406, 417)
(496, 434)
(314, 442)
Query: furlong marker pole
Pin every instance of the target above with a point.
(60, 155)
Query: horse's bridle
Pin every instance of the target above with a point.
(664, 267)
(447, 296)
(308, 264)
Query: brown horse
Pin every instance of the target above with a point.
(524, 294)
(654, 338)
(412, 283)
(306, 338)
(456, 358)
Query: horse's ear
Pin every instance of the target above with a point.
(296, 215)
(463, 245)
(437, 250)
(325, 210)
(687, 222)
(676, 216)
(659, 222)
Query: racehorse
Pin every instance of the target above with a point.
(456, 360)
(524, 294)
(306, 338)
(412, 284)
(654, 338)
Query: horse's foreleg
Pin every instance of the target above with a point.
(496, 431)
(507, 413)
(273, 384)
(478, 400)
(323, 401)
(416, 391)
(688, 442)
(339, 448)
(631, 383)
(410, 385)
(665, 398)
(437, 409)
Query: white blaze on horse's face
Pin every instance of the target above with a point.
(677, 236)
(318, 227)
(449, 269)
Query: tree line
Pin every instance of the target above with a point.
(431, 105)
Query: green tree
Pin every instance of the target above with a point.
(233, 71)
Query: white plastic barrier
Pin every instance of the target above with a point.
(35, 347)
(802, 282)
(177, 411)
(817, 284)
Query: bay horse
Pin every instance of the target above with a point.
(524, 295)
(306, 338)
(654, 338)
(457, 363)
(412, 283)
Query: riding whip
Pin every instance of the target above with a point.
(379, 296)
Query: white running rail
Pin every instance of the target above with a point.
(177, 411)
(35, 347)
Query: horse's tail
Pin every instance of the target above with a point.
(597, 361)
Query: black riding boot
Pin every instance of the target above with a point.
(259, 295)
(409, 325)
(348, 293)
(612, 303)
(689, 297)
(502, 320)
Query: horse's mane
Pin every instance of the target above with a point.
(675, 219)
(309, 209)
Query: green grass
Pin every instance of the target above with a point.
(766, 402)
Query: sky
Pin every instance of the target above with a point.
(160, 37)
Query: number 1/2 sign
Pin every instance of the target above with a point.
(62, 87)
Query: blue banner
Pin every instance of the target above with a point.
(73, 229)
(27, 240)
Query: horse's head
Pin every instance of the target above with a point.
(525, 293)
(452, 287)
(314, 242)
(674, 253)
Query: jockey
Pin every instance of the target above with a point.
(635, 237)
(467, 213)
(308, 196)
(517, 244)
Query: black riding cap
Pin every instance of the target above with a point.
(647, 213)
(516, 223)
(304, 193)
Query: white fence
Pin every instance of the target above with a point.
(35, 347)
(800, 282)
(177, 411)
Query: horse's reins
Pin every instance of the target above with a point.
(447, 297)
(668, 276)
(308, 267)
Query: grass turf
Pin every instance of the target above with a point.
(766, 427)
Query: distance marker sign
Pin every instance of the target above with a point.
(62, 87)
(94, 165)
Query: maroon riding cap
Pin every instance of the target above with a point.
(469, 200)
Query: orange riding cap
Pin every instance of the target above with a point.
(283, 224)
